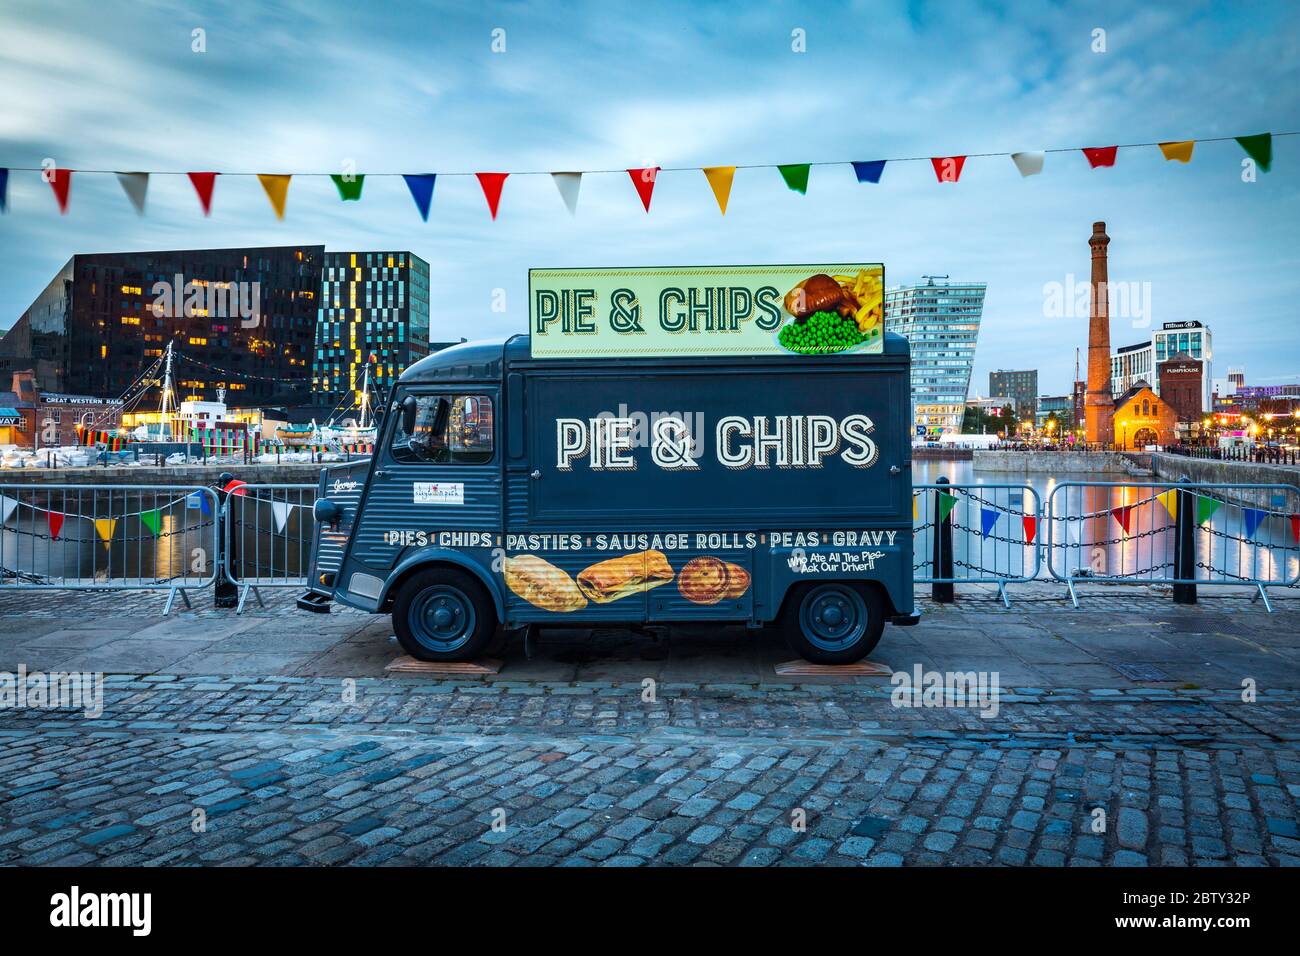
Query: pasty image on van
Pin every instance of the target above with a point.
(542, 584)
(630, 574)
(708, 580)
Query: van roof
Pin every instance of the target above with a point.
(483, 359)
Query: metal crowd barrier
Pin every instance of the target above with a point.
(1181, 534)
(975, 534)
(269, 531)
(108, 537)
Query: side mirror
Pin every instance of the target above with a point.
(409, 409)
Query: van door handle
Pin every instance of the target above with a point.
(380, 473)
(536, 473)
(895, 470)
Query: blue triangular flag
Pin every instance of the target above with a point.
(1254, 518)
(869, 172)
(421, 188)
(988, 518)
(4, 186)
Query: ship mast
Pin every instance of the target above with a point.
(166, 409)
(365, 398)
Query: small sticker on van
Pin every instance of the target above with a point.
(438, 493)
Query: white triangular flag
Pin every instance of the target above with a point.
(135, 185)
(568, 184)
(1029, 164)
(7, 506)
(280, 511)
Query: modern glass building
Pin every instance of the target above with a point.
(1019, 386)
(243, 320)
(941, 321)
(1139, 361)
(374, 308)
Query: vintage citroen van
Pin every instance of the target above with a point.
(509, 490)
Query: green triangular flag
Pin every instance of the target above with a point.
(796, 176)
(1259, 148)
(349, 188)
(946, 501)
(1206, 507)
(151, 520)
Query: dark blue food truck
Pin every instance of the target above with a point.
(703, 445)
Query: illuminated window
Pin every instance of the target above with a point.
(195, 340)
(130, 320)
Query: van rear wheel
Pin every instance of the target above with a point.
(443, 615)
(838, 622)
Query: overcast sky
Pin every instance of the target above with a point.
(405, 87)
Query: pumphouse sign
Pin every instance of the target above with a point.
(707, 310)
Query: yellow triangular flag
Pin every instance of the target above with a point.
(1179, 151)
(277, 190)
(719, 178)
(104, 528)
(914, 514)
(1166, 498)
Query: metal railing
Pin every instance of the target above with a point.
(269, 531)
(109, 537)
(975, 534)
(1181, 534)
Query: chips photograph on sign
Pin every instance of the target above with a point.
(707, 310)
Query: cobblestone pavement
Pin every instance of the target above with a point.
(299, 771)
(1120, 737)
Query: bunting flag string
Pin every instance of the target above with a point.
(151, 520)
(569, 184)
(1252, 518)
(280, 511)
(1167, 499)
(644, 181)
(349, 186)
(104, 528)
(277, 190)
(492, 183)
(720, 178)
(796, 176)
(1206, 507)
(135, 185)
(203, 183)
(948, 169)
(54, 520)
(946, 504)
(988, 518)
(1124, 515)
(421, 188)
(1030, 523)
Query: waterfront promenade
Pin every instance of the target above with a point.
(283, 734)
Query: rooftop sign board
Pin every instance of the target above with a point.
(707, 310)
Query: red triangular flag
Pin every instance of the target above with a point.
(235, 487)
(61, 184)
(1123, 514)
(203, 183)
(644, 181)
(1295, 528)
(55, 521)
(491, 183)
(1031, 528)
(1101, 155)
(948, 168)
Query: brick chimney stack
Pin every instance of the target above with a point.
(1099, 403)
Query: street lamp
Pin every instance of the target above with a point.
(1123, 436)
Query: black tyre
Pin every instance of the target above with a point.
(443, 614)
(837, 622)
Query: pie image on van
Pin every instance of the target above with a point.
(708, 580)
(610, 580)
(542, 584)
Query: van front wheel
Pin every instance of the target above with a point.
(834, 623)
(443, 615)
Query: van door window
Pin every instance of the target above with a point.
(449, 429)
